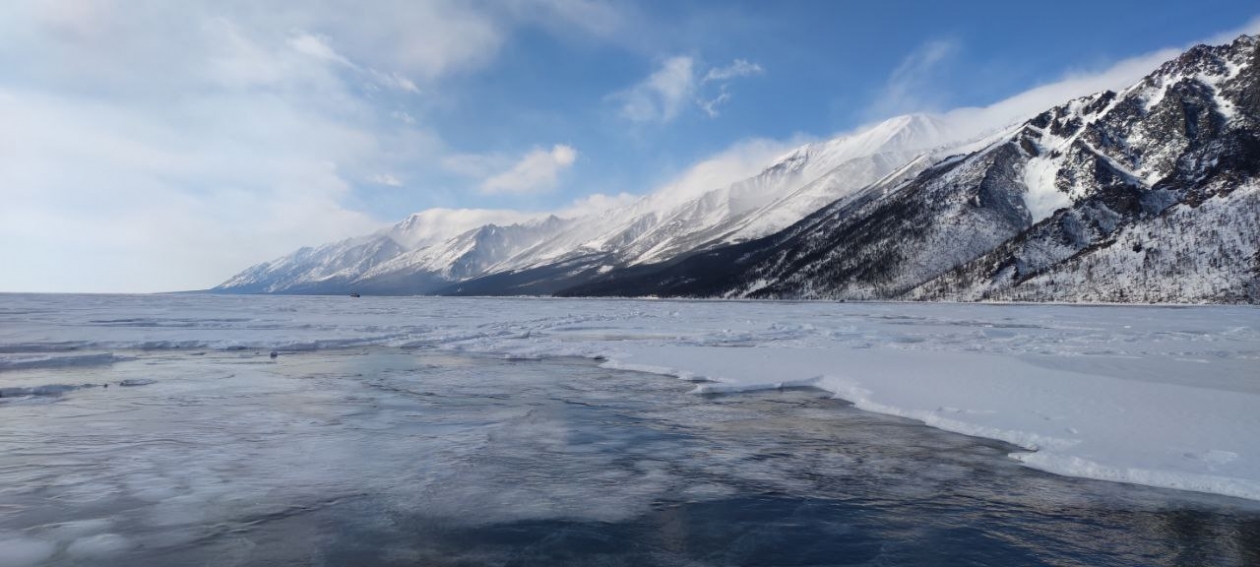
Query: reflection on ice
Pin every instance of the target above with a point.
(37, 359)
(365, 441)
(386, 456)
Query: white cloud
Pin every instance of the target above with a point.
(538, 171)
(166, 145)
(479, 166)
(386, 179)
(737, 69)
(426, 39)
(663, 94)
(596, 203)
(1076, 84)
(737, 162)
(710, 106)
(394, 81)
(317, 47)
(404, 117)
(676, 85)
(913, 85)
(434, 225)
(146, 207)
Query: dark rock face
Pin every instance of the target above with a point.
(1149, 194)
(1174, 231)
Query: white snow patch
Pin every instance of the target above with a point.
(1099, 427)
(1043, 197)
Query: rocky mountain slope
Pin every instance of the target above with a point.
(1149, 194)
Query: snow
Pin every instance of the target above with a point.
(432, 226)
(1100, 427)
(1161, 396)
(1043, 197)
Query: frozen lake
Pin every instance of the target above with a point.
(407, 431)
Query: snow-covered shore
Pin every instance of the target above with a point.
(1071, 423)
(1162, 396)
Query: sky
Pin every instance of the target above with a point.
(148, 145)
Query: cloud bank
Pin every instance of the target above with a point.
(151, 146)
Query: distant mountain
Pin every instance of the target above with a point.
(437, 252)
(1149, 194)
(332, 267)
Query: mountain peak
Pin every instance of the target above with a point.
(1211, 59)
(904, 133)
(917, 205)
(432, 226)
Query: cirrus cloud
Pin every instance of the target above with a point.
(677, 85)
(738, 68)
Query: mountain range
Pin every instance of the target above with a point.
(1148, 194)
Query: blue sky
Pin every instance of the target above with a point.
(165, 145)
(825, 67)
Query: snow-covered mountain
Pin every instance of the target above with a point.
(432, 250)
(467, 255)
(797, 185)
(1149, 194)
(331, 267)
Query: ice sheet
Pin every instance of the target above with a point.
(1164, 396)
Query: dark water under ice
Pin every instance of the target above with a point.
(415, 457)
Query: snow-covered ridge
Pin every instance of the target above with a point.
(1132, 145)
(1151, 395)
(443, 246)
(1148, 194)
(336, 264)
(1168, 166)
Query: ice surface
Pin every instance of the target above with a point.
(97, 546)
(37, 360)
(137, 382)
(21, 552)
(1163, 396)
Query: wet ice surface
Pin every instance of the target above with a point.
(155, 430)
(1163, 396)
(388, 456)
